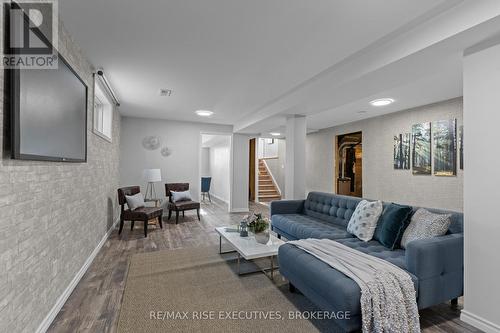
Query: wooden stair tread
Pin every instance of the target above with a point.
(267, 189)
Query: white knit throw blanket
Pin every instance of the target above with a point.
(388, 300)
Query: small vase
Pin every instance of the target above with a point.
(262, 237)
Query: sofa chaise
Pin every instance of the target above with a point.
(434, 264)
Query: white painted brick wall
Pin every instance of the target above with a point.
(52, 215)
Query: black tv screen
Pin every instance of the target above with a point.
(49, 114)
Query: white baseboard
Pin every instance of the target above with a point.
(219, 198)
(240, 210)
(47, 321)
(479, 322)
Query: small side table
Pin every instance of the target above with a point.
(157, 203)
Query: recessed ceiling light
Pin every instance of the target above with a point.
(275, 134)
(382, 102)
(204, 113)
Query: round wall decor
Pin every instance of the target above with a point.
(151, 142)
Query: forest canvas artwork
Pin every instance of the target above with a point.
(421, 148)
(402, 151)
(445, 147)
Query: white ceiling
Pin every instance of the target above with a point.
(254, 62)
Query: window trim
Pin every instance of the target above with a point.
(102, 99)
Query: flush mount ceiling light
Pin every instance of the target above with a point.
(382, 102)
(204, 113)
(275, 134)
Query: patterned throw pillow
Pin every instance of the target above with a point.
(425, 224)
(364, 220)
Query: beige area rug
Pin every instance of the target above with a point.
(198, 290)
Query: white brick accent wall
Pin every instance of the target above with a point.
(52, 215)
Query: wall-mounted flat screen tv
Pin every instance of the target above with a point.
(49, 114)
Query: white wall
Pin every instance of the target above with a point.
(205, 162)
(219, 162)
(380, 180)
(239, 173)
(481, 194)
(277, 166)
(266, 148)
(295, 159)
(183, 138)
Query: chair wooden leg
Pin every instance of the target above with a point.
(146, 228)
(209, 199)
(183, 214)
(176, 217)
(132, 226)
(160, 218)
(121, 226)
(198, 213)
(169, 214)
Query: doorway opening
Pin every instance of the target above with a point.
(349, 164)
(252, 188)
(266, 169)
(215, 164)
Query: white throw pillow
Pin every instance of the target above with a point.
(425, 224)
(180, 196)
(135, 201)
(364, 220)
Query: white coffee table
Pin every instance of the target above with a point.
(249, 248)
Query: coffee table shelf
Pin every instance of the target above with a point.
(250, 249)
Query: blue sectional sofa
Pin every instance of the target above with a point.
(435, 264)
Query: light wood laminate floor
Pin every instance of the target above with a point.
(94, 305)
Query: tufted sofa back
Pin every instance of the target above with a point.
(338, 209)
(330, 207)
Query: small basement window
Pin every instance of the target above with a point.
(103, 112)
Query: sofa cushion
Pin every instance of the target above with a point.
(329, 207)
(425, 224)
(303, 226)
(332, 289)
(364, 220)
(374, 248)
(392, 224)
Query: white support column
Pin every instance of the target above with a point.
(481, 186)
(239, 173)
(295, 167)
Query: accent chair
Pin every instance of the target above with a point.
(143, 214)
(180, 206)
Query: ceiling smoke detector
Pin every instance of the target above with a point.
(166, 92)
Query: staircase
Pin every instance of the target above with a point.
(267, 189)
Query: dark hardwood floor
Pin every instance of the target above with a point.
(94, 305)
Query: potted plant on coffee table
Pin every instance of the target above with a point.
(259, 225)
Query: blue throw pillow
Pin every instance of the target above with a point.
(392, 224)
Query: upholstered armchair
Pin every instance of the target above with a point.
(143, 214)
(180, 206)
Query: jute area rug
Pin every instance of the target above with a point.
(198, 290)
